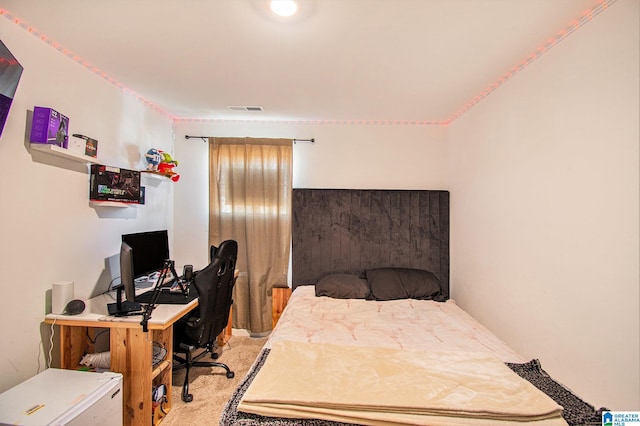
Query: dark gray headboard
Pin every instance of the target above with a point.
(350, 230)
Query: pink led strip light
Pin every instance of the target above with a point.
(320, 122)
(68, 53)
(586, 17)
(551, 42)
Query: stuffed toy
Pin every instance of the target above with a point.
(167, 163)
(161, 163)
(153, 158)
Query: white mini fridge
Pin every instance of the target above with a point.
(64, 397)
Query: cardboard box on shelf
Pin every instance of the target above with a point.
(114, 184)
(49, 127)
(88, 146)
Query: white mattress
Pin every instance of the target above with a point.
(397, 324)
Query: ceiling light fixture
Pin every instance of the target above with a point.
(284, 7)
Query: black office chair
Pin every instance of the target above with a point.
(212, 253)
(199, 329)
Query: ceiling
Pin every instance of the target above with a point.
(417, 61)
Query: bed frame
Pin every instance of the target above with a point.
(351, 230)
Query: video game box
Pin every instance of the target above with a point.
(49, 127)
(114, 184)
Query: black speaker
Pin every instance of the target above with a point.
(75, 307)
(187, 273)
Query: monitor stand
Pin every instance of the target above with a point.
(123, 307)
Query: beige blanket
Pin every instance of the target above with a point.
(390, 386)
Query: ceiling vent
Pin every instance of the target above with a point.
(245, 108)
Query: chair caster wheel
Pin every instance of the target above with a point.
(214, 355)
(187, 398)
(230, 374)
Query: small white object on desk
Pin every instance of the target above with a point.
(61, 294)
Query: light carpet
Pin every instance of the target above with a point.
(209, 386)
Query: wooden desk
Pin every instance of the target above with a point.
(131, 350)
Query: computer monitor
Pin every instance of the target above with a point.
(150, 250)
(127, 284)
(141, 254)
(126, 272)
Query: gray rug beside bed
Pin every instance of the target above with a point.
(576, 411)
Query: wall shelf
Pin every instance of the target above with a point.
(154, 175)
(62, 152)
(77, 157)
(94, 203)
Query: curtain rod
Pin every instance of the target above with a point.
(205, 138)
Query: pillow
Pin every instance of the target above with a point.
(402, 283)
(343, 286)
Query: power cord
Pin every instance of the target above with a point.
(93, 341)
(110, 285)
(51, 342)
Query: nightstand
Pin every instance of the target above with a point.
(279, 298)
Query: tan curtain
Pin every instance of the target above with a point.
(250, 202)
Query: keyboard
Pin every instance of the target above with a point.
(168, 298)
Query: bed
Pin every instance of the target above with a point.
(371, 336)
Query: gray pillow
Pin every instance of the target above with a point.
(402, 283)
(343, 286)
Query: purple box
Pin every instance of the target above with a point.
(50, 127)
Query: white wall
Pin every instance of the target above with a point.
(343, 156)
(48, 230)
(544, 210)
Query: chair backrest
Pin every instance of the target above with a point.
(224, 297)
(215, 284)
